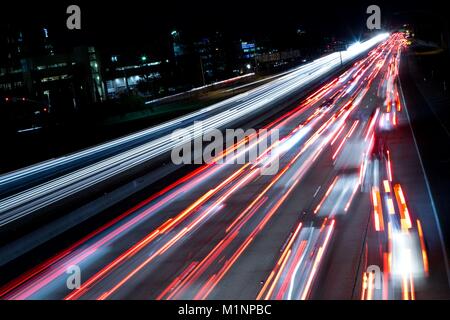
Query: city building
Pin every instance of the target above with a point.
(212, 54)
(125, 73)
(62, 80)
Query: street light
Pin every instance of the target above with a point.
(144, 58)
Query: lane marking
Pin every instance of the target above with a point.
(317, 191)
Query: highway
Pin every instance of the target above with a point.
(54, 180)
(346, 216)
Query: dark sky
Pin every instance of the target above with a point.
(128, 23)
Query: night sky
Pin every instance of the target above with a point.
(134, 23)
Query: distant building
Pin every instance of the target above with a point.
(125, 73)
(63, 81)
(11, 42)
(212, 52)
(179, 48)
(186, 63)
(248, 53)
